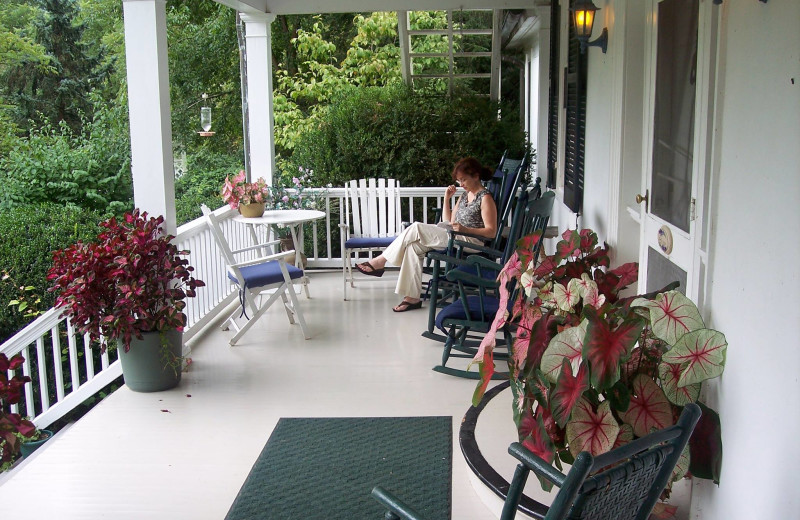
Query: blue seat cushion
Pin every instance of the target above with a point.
(455, 311)
(366, 242)
(268, 273)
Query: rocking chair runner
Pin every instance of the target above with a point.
(623, 484)
(370, 220)
(254, 277)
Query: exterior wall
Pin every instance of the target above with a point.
(753, 271)
(752, 278)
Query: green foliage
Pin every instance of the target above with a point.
(202, 183)
(28, 235)
(395, 132)
(204, 58)
(91, 169)
(58, 93)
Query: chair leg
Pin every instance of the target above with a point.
(257, 315)
(298, 312)
(288, 308)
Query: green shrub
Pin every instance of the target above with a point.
(28, 236)
(201, 183)
(394, 132)
(91, 170)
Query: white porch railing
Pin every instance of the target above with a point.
(65, 368)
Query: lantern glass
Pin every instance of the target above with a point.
(205, 118)
(584, 20)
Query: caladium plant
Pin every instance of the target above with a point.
(590, 370)
(131, 280)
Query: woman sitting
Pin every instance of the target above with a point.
(475, 213)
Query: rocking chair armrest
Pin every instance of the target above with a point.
(454, 234)
(536, 464)
(257, 246)
(398, 510)
(482, 262)
(261, 259)
(478, 247)
(476, 281)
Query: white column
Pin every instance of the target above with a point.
(258, 44)
(149, 106)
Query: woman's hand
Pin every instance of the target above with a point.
(449, 192)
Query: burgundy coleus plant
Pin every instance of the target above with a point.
(592, 370)
(131, 280)
(12, 425)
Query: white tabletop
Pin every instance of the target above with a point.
(282, 216)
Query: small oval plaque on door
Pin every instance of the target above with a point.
(665, 239)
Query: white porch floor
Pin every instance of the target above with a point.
(184, 453)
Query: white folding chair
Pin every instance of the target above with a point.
(370, 220)
(255, 277)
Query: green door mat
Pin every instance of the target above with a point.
(325, 468)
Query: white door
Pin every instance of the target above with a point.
(679, 67)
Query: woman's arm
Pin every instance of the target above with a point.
(448, 194)
(489, 217)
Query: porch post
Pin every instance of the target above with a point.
(258, 63)
(149, 107)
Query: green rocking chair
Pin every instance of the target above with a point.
(622, 484)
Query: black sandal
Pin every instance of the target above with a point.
(407, 306)
(367, 269)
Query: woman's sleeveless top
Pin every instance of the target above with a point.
(469, 213)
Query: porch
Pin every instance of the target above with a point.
(184, 453)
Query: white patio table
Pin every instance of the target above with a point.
(291, 218)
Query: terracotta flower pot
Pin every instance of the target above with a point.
(254, 209)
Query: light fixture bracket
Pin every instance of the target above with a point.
(601, 41)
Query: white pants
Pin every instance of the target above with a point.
(408, 251)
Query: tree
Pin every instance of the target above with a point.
(56, 94)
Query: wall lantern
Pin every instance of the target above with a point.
(583, 16)
(205, 118)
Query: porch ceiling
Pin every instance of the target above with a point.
(350, 6)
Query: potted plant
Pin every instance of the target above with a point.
(591, 370)
(13, 427)
(129, 287)
(249, 197)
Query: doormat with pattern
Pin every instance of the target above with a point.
(325, 468)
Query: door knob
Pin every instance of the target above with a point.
(640, 198)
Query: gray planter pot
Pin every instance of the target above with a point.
(143, 366)
(29, 447)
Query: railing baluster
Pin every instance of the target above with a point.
(73, 356)
(87, 353)
(55, 341)
(42, 365)
(30, 409)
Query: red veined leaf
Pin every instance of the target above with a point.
(624, 436)
(606, 284)
(540, 444)
(568, 390)
(542, 334)
(566, 297)
(527, 245)
(546, 267)
(682, 466)
(669, 375)
(672, 315)
(627, 273)
(530, 315)
(588, 240)
(591, 431)
(567, 344)
(706, 446)
(663, 511)
(593, 298)
(701, 354)
(649, 408)
(605, 348)
(485, 369)
(570, 246)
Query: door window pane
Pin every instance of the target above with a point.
(661, 272)
(676, 73)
